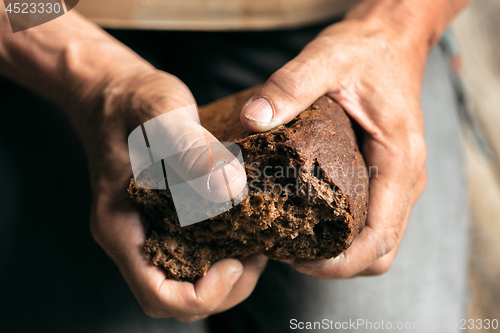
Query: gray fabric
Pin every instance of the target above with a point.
(54, 278)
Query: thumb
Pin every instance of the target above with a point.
(190, 154)
(286, 93)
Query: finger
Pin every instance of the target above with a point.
(210, 290)
(123, 239)
(288, 91)
(365, 249)
(253, 267)
(383, 264)
(389, 204)
(419, 187)
(190, 154)
(218, 293)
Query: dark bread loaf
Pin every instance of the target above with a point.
(318, 209)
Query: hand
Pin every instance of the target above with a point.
(376, 76)
(115, 223)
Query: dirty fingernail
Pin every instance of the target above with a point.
(259, 110)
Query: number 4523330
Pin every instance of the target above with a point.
(32, 8)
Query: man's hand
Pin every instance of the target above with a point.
(375, 73)
(107, 91)
(116, 224)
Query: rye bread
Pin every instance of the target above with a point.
(317, 215)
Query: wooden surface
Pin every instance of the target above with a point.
(210, 14)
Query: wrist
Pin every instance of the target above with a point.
(103, 101)
(108, 111)
(94, 77)
(415, 25)
(74, 67)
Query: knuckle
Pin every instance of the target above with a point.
(202, 307)
(289, 83)
(152, 305)
(185, 310)
(151, 314)
(420, 151)
(392, 239)
(151, 311)
(380, 267)
(96, 230)
(424, 177)
(389, 240)
(193, 307)
(411, 152)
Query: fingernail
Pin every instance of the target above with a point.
(236, 275)
(222, 175)
(259, 110)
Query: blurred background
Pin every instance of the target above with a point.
(477, 36)
(477, 33)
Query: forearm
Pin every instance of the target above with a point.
(421, 22)
(68, 60)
